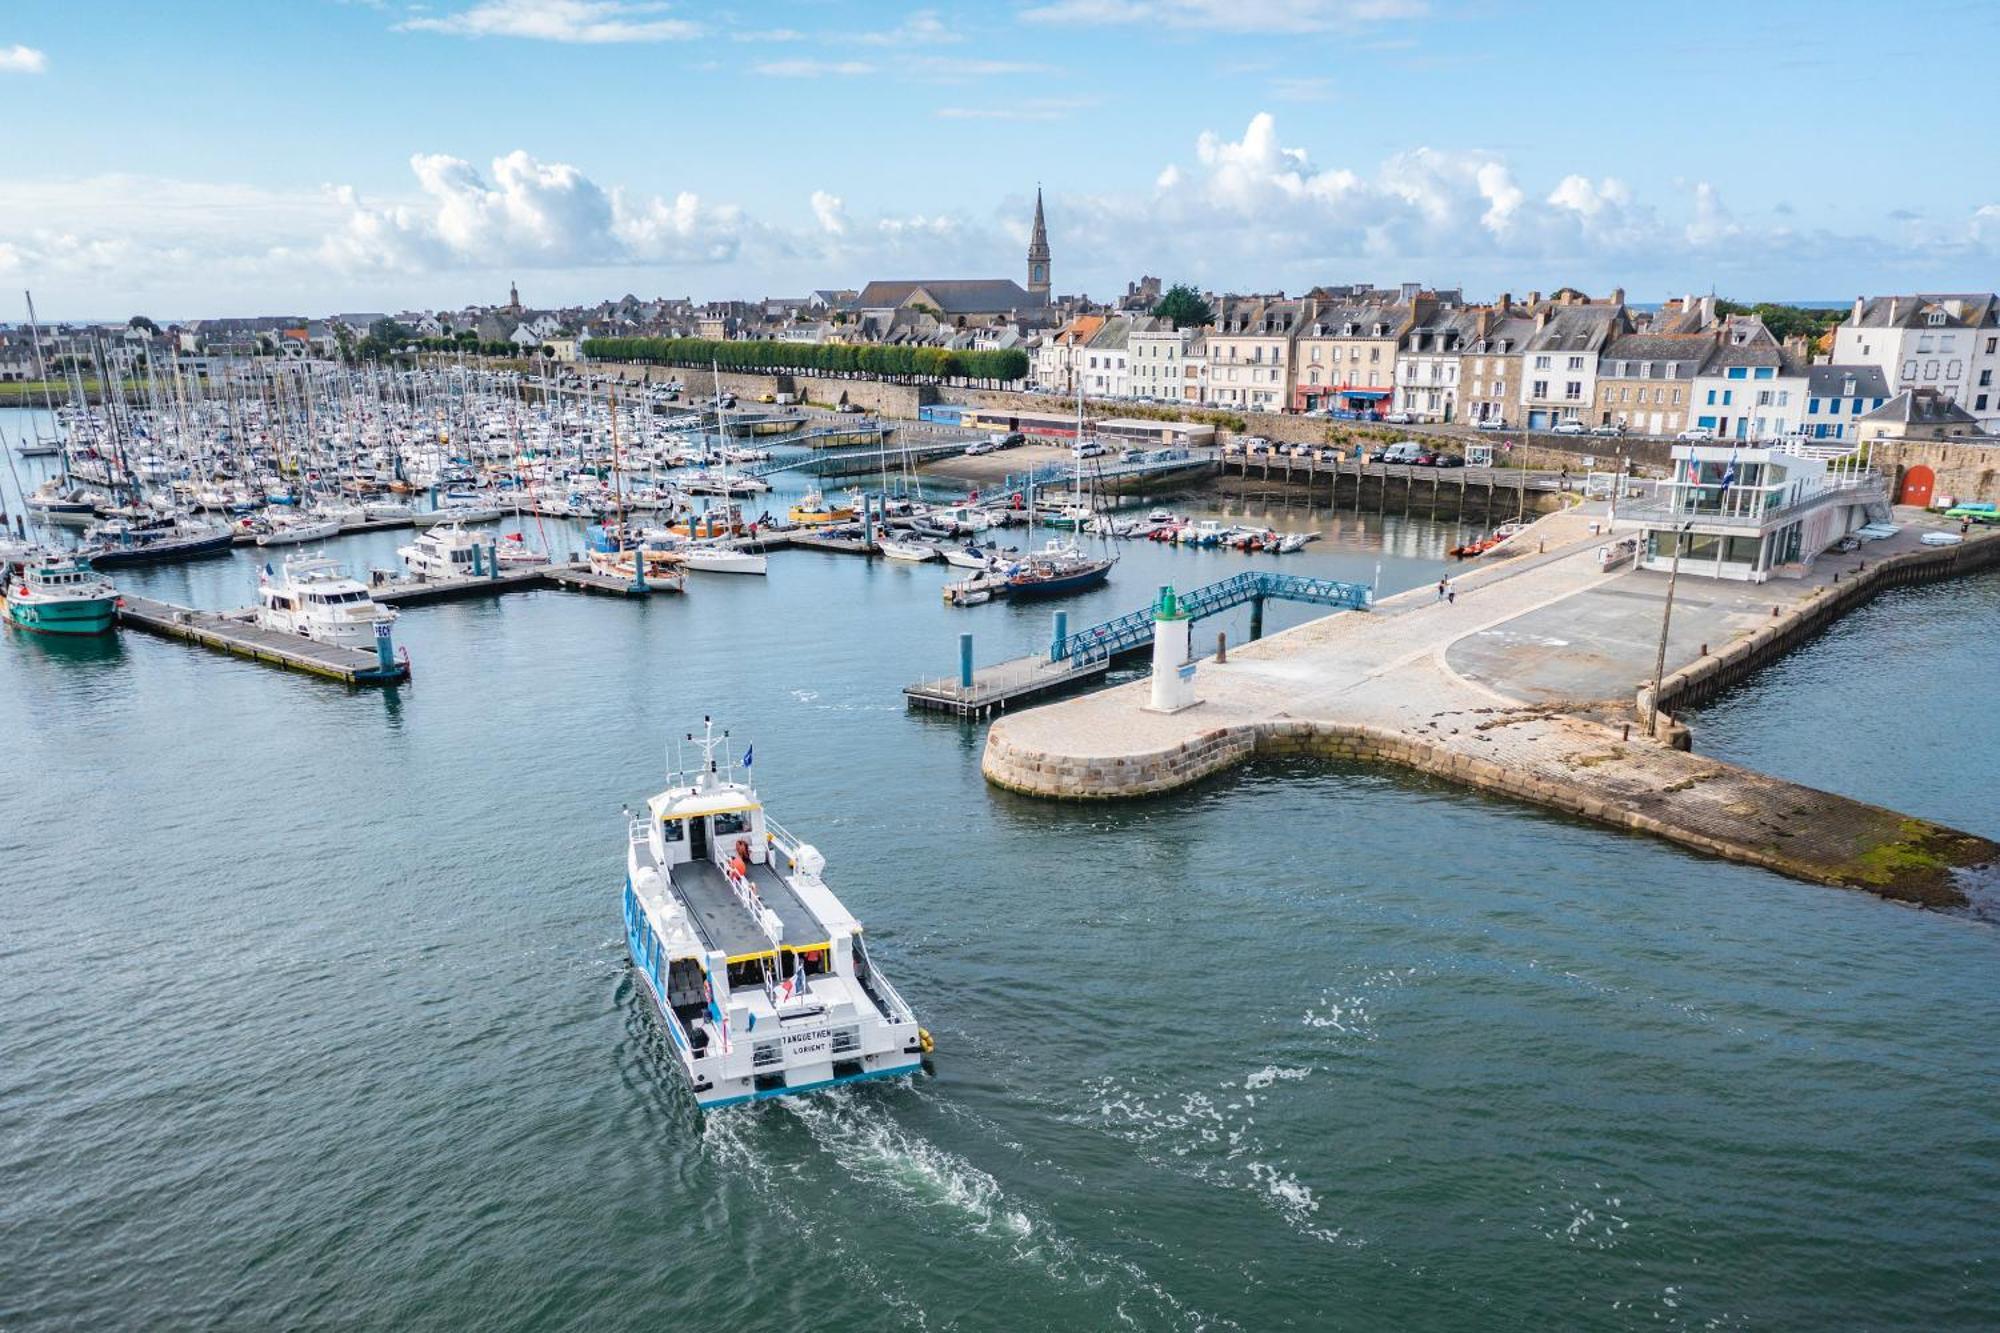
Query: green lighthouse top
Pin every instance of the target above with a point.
(1169, 606)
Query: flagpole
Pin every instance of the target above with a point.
(1666, 619)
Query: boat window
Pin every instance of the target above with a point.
(735, 821)
(674, 830)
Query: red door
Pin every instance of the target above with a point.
(1917, 484)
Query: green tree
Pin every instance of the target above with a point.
(1184, 306)
(141, 322)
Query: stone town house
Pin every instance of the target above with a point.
(1250, 353)
(1645, 381)
(1427, 363)
(1346, 357)
(1948, 343)
(1559, 364)
(1489, 366)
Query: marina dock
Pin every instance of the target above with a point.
(992, 688)
(233, 634)
(1480, 691)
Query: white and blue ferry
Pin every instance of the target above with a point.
(759, 973)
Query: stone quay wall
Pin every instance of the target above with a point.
(870, 395)
(1708, 676)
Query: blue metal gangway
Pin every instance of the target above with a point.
(1134, 630)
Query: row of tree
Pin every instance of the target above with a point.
(886, 362)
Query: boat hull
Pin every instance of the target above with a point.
(1060, 586)
(79, 618)
(162, 553)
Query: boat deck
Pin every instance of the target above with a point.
(726, 925)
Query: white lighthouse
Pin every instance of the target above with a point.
(1173, 671)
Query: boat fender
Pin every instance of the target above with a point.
(924, 1040)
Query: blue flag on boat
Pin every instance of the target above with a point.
(747, 751)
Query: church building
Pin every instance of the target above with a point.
(967, 302)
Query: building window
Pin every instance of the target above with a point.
(1573, 390)
(1727, 394)
(1930, 370)
(1739, 372)
(1576, 363)
(1909, 370)
(1677, 397)
(1766, 372)
(1812, 407)
(1541, 363)
(1541, 389)
(1711, 398)
(1979, 403)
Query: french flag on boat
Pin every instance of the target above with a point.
(795, 985)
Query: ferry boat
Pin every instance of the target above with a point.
(61, 595)
(758, 973)
(315, 597)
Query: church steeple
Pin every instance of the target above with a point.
(1038, 255)
(513, 297)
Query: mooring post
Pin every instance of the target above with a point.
(385, 651)
(478, 563)
(965, 660)
(639, 568)
(1256, 618)
(1222, 646)
(1058, 645)
(493, 560)
(867, 521)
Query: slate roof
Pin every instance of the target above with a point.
(1686, 352)
(1922, 407)
(953, 296)
(1975, 310)
(1831, 382)
(1575, 328)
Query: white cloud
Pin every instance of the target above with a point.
(922, 28)
(529, 213)
(1241, 16)
(1249, 211)
(829, 212)
(591, 22)
(813, 69)
(22, 60)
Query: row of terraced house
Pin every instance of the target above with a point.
(1422, 355)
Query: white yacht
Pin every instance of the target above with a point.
(711, 559)
(290, 531)
(758, 972)
(444, 551)
(313, 596)
(915, 552)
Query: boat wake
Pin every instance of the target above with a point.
(861, 1137)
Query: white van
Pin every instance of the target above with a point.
(1404, 451)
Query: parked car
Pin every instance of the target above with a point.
(1607, 430)
(1012, 439)
(1567, 426)
(1256, 444)
(1696, 435)
(1329, 455)
(1450, 460)
(1088, 449)
(1492, 423)
(848, 407)
(1401, 418)
(1232, 448)
(1402, 451)
(979, 447)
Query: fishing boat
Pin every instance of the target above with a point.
(757, 971)
(61, 595)
(813, 511)
(315, 597)
(444, 551)
(914, 552)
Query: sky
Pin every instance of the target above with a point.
(209, 157)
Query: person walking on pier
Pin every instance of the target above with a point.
(1443, 586)
(1450, 592)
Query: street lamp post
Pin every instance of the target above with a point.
(1666, 619)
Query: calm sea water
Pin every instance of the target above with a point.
(314, 1010)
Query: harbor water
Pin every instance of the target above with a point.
(315, 1010)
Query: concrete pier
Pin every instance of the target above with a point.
(239, 635)
(1490, 690)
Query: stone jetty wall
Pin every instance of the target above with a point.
(1806, 834)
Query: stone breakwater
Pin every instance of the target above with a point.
(1375, 688)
